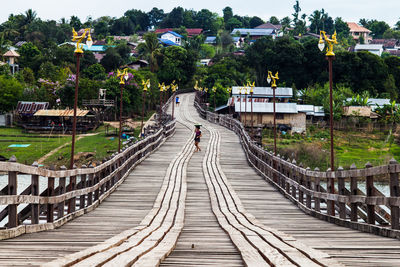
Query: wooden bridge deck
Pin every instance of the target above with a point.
(202, 240)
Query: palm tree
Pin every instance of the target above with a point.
(30, 16)
(150, 48)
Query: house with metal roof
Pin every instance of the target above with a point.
(173, 37)
(253, 33)
(287, 114)
(376, 49)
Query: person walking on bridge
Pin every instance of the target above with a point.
(197, 137)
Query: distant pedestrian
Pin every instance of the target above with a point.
(177, 100)
(197, 137)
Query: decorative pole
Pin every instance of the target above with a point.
(273, 86)
(146, 85)
(330, 56)
(214, 89)
(78, 53)
(240, 106)
(245, 106)
(161, 86)
(122, 75)
(174, 87)
(252, 122)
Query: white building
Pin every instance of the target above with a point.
(173, 37)
(376, 49)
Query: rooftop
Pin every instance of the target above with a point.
(354, 27)
(368, 47)
(267, 107)
(174, 34)
(11, 53)
(266, 91)
(269, 25)
(253, 32)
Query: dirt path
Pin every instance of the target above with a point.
(42, 159)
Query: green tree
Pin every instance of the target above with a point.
(207, 51)
(256, 21)
(95, 72)
(10, 93)
(228, 13)
(112, 59)
(75, 23)
(150, 49)
(274, 20)
(177, 64)
(156, 16)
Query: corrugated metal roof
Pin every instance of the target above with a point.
(266, 91)
(174, 34)
(26, 107)
(61, 113)
(267, 107)
(210, 40)
(253, 32)
(167, 42)
(368, 47)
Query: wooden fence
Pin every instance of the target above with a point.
(370, 211)
(68, 193)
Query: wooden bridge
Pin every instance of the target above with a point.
(232, 204)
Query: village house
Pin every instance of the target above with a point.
(358, 31)
(254, 34)
(172, 37)
(191, 32)
(287, 114)
(376, 49)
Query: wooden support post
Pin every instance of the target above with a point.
(83, 185)
(12, 190)
(394, 192)
(91, 183)
(300, 180)
(61, 189)
(293, 178)
(50, 193)
(35, 192)
(317, 188)
(342, 191)
(308, 185)
(330, 184)
(72, 187)
(369, 184)
(353, 192)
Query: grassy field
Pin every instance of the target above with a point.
(39, 144)
(313, 148)
(97, 143)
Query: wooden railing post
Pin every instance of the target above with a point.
(342, 191)
(353, 192)
(287, 185)
(35, 192)
(369, 186)
(394, 192)
(72, 187)
(12, 190)
(300, 180)
(317, 188)
(91, 183)
(293, 178)
(82, 186)
(330, 204)
(308, 185)
(50, 193)
(61, 189)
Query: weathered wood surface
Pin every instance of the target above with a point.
(125, 208)
(202, 242)
(349, 247)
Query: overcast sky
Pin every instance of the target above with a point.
(349, 10)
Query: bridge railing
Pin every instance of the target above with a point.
(54, 197)
(357, 202)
